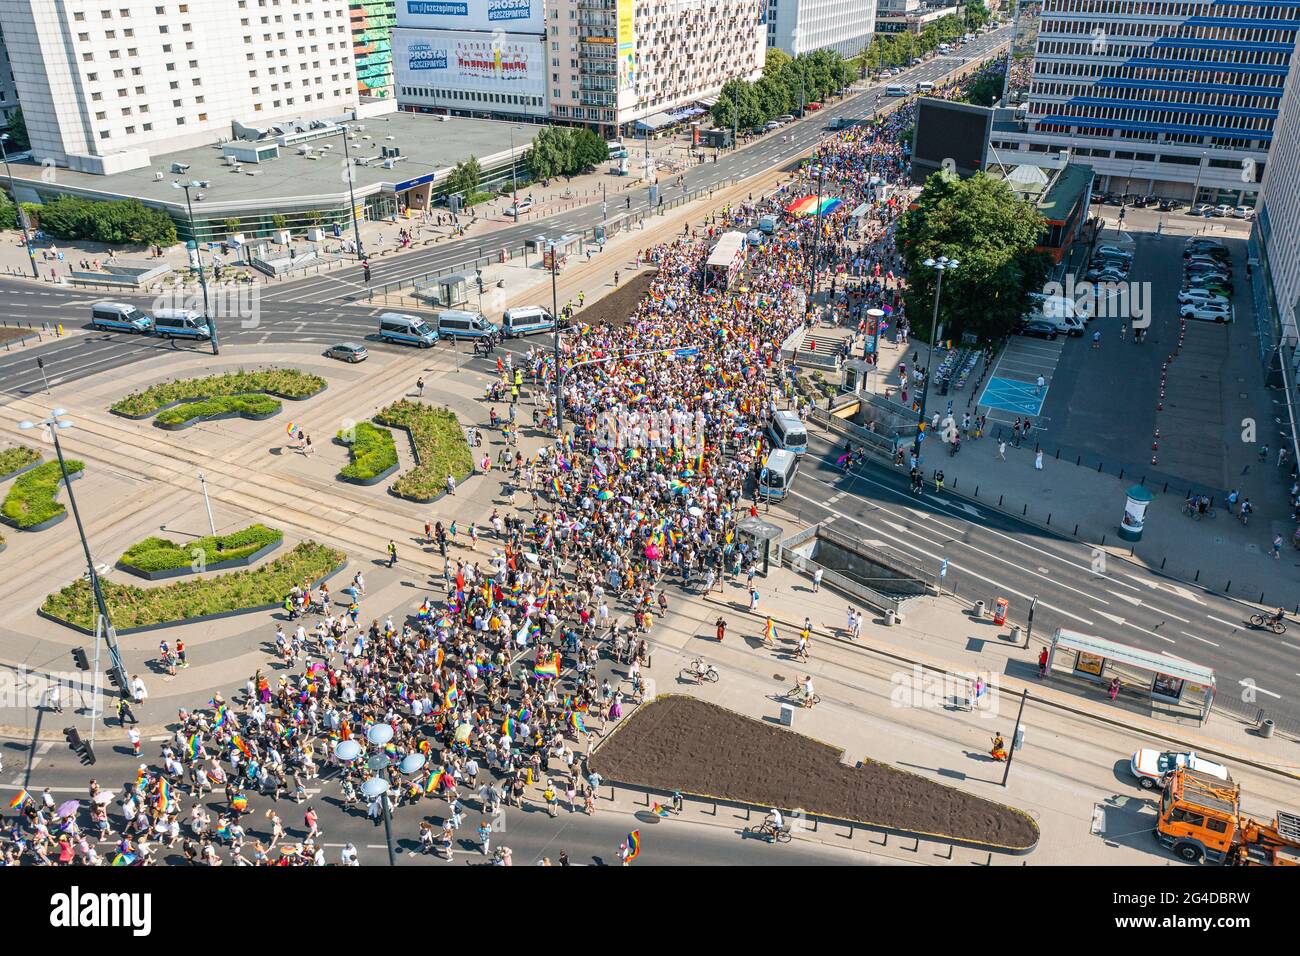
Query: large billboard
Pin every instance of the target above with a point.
(487, 62)
(952, 136)
(516, 16)
(626, 54)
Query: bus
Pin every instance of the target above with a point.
(778, 474)
(788, 432)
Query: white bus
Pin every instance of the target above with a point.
(778, 474)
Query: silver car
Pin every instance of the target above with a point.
(347, 352)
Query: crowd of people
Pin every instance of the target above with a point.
(490, 693)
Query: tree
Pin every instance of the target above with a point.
(588, 150)
(549, 154)
(232, 225)
(465, 177)
(987, 89)
(278, 221)
(976, 14)
(8, 212)
(777, 60)
(17, 130)
(980, 222)
(117, 222)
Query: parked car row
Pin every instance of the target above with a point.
(1109, 264)
(1207, 287)
(1223, 211)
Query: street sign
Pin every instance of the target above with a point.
(686, 352)
(943, 568)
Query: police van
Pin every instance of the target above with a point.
(525, 320)
(119, 317)
(788, 432)
(457, 324)
(924, 86)
(778, 473)
(404, 329)
(180, 324)
(896, 89)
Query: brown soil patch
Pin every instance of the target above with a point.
(619, 304)
(680, 743)
(13, 334)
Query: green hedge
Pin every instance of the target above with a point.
(115, 221)
(226, 404)
(372, 449)
(33, 497)
(132, 606)
(284, 382)
(439, 442)
(19, 456)
(160, 554)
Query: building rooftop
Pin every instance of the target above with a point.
(1063, 195)
(429, 149)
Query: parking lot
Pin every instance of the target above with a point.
(1012, 391)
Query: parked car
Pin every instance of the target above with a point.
(1150, 766)
(519, 208)
(1113, 199)
(813, 106)
(347, 352)
(1244, 212)
(1115, 251)
(1216, 286)
(1039, 329)
(1206, 311)
(1213, 252)
(1096, 197)
(1106, 274)
(1169, 205)
(1200, 297)
(1207, 273)
(1223, 209)
(1204, 209)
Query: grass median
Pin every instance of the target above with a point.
(19, 456)
(134, 607)
(33, 498)
(288, 383)
(161, 554)
(246, 406)
(372, 449)
(439, 443)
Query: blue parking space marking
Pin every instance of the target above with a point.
(1022, 398)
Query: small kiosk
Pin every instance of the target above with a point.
(1135, 513)
(764, 540)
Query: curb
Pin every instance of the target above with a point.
(1216, 748)
(219, 566)
(201, 619)
(365, 482)
(415, 453)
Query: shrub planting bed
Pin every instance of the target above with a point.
(290, 383)
(255, 407)
(155, 558)
(32, 503)
(680, 743)
(16, 459)
(373, 452)
(136, 608)
(439, 445)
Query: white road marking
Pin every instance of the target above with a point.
(1201, 639)
(1253, 686)
(1222, 621)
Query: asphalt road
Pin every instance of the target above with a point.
(292, 311)
(991, 554)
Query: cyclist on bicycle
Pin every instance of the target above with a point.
(775, 821)
(1202, 503)
(807, 683)
(1279, 617)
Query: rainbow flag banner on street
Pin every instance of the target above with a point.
(548, 668)
(633, 845)
(433, 782)
(19, 799)
(659, 810)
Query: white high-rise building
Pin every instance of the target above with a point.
(1275, 237)
(105, 84)
(802, 26)
(8, 91)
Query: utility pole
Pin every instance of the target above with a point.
(1029, 624)
(940, 265)
(1011, 752)
(555, 346)
(212, 525)
(352, 199)
(198, 256)
(22, 217)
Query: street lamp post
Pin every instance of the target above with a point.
(352, 199)
(940, 266)
(817, 231)
(514, 177)
(212, 525)
(22, 219)
(104, 625)
(198, 255)
(377, 787)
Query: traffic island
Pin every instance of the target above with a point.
(438, 445)
(135, 609)
(285, 383)
(678, 743)
(156, 558)
(32, 503)
(17, 460)
(373, 453)
(253, 407)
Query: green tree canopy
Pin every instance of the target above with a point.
(117, 221)
(465, 177)
(777, 60)
(981, 223)
(588, 150)
(17, 130)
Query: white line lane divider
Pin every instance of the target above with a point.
(1246, 682)
(938, 557)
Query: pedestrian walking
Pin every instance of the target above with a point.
(1002, 449)
(1038, 460)
(392, 552)
(817, 579)
(419, 387)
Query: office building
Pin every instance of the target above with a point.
(802, 26)
(8, 91)
(605, 64)
(902, 16)
(1169, 97)
(1275, 236)
(372, 45)
(106, 84)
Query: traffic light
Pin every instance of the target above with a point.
(113, 679)
(79, 746)
(79, 658)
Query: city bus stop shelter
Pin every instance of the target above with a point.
(1176, 686)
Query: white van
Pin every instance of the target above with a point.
(924, 87)
(896, 89)
(119, 317)
(457, 324)
(525, 320)
(778, 473)
(788, 432)
(403, 329)
(180, 324)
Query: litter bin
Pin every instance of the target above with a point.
(1266, 727)
(1015, 633)
(787, 715)
(979, 610)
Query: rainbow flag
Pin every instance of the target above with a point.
(221, 717)
(164, 794)
(659, 810)
(238, 743)
(239, 802)
(224, 831)
(433, 782)
(557, 487)
(488, 595)
(124, 859)
(192, 746)
(842, 459)
(580, 725)
(510, 727)
(141, 776)
(770, 633)
(633, 845)
(19, 799)
(451, 697)
(548, 668)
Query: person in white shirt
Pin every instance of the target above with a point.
(138, 690)
(348, 856)
(776, 820)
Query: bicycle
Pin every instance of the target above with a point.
(769, 831)
(1274, 625)
(700, 672)
(797, 693)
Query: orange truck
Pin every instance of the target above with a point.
(1200, 819)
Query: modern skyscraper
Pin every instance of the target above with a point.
(106, 84)
(802, 26)
(372, 39)
(1275, 238)
(1172, 97)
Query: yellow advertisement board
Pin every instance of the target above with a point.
(626, 52)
